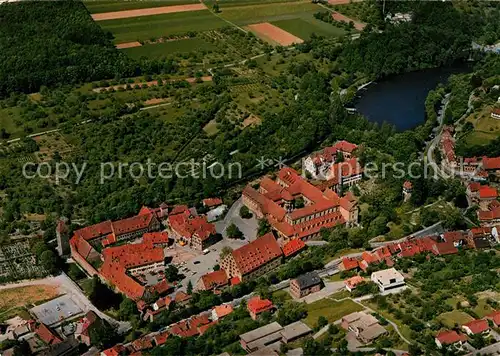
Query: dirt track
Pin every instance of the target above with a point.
(341, 2)
(147, 12)
(275, 33)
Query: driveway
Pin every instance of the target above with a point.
(247, 226)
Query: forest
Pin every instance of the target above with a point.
(54, 42)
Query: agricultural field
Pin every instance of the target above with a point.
(100, 6)
(152, 27)
(304, 27)
(160, 50)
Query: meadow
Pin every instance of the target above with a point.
(98, 6)
(159, 50)
(306, 26)
(152, 27)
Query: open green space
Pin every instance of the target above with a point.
(455, 317)
(330, 309)
(159, 50)
(305, 27)
(100, 6)
(245, 15)
(152, 27)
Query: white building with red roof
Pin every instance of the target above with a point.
(475, 327)
(320, 163)
(254, 259)
(449, 337)
(276, 201)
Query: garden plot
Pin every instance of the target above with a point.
(51, 144)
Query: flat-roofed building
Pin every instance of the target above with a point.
(261, 337)
(294, 331)
(388, 279)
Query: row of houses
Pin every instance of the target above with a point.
(445, 244)
(471, 328)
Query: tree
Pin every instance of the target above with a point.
(102, 296)
(226, 250)
(264, 227)
(245, 212)
(49, 260)
(189, 287)
(39, 248)
(75, 272)
(322, 321)
(128, 309)
(103, 336)
(233, 232)
(172, 273)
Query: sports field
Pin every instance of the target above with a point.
(152, 27)
(305, 27)
(100, 6)
(160, 50)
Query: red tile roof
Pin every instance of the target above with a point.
(345, 146)
(155, 238)
(485, 215)
(132, 224)
(407, 184)
(161, 338)
(202, 329)
(492, 163)
(198, 320)
(495, 317)
(214, 279)
(47, 335)
(161, 287)
(223, 310)
(187, 225)
(256, 305)
(450, 337)
(94, 231)
(234, 281)
(211, 202)
(474, 186)
(349, 263)
(257, 253)
(181, 297)
(116, 350)
(353, 281)
(293, 247)
(117, 260)
(487, 192)
(446, 248)
(477, 326)
(144, 343)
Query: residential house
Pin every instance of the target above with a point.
(494, 317)
(182, 298)
(351, 283)
(495, 113)
(84, 327)
(47, 335)
(407, 190)
(254, 259)
(449, 337)
(116, 350)
(221, 311)
(388, 279)
(348, 264)
(475, 327)
(305, 284)
(491, 165)
(161, 338)
(364, 326)
(212, 203)
(293, 247)
(212, 281)
(257, 306)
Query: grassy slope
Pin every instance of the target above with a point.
(329, 309)
(147, 27)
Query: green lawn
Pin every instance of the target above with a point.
(153, 27)
(100, 6)
(159, 50)
(329, 309)
(482, 308)
(305, 27)
(245, 15)
(449, 319)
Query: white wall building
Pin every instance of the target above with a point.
(388, 279)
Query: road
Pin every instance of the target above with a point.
(437, 139)
(66, 286)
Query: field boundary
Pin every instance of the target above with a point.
(115, 15)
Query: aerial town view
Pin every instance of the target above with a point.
(249, 177)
